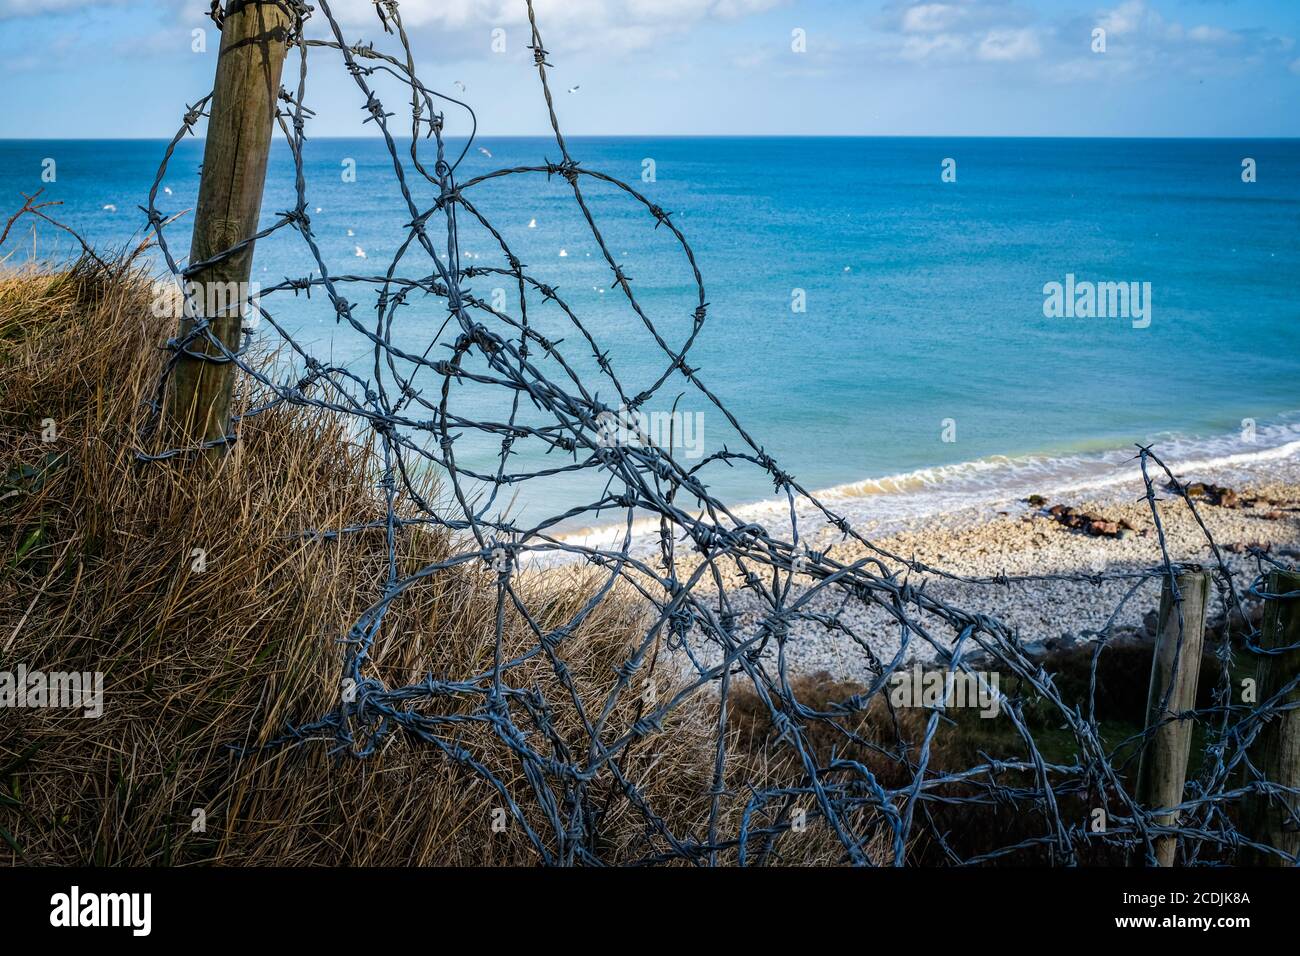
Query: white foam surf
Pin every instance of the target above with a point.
(890, 501)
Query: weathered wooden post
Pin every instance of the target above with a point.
(1276, 750)
(1163, 768)
(242, 112)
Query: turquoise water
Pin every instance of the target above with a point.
(924, 299)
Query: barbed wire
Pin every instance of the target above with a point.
(708, 554)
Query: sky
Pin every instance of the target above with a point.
(127, 68)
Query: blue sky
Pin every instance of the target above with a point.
(126, 68)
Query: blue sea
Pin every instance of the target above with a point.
(921, 362)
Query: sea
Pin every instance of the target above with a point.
(900, 322)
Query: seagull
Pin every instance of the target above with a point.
(563, 253)
(351, 233)
(360, 253)
(574, 89)
(167, 190)
(460, 86)
(110, 208)
(485, 152)
(532, 223)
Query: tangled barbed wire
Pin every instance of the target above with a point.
(708, 554)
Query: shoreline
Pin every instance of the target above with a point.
(1009, 536)
(896, 503)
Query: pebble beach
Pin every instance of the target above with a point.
(1020, 538)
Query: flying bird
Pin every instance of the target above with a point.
(360, 253)
(460, 86)
(485, 152)
(574, 89)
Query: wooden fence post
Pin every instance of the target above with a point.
(1163, 768)
(1275, 752)
(242, 113)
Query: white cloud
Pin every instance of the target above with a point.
(610, 25)
(970, 31)
(1053, 45)
(731, 9)
(1208, 34)
(932, 18)
(1124, 19)
(1009, 46)
(1135, 18)
(751, 60)
(1148, 43)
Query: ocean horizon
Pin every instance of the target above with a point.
(877, 313)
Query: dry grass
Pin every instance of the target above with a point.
(98, 576)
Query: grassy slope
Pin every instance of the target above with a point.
(98, 577)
